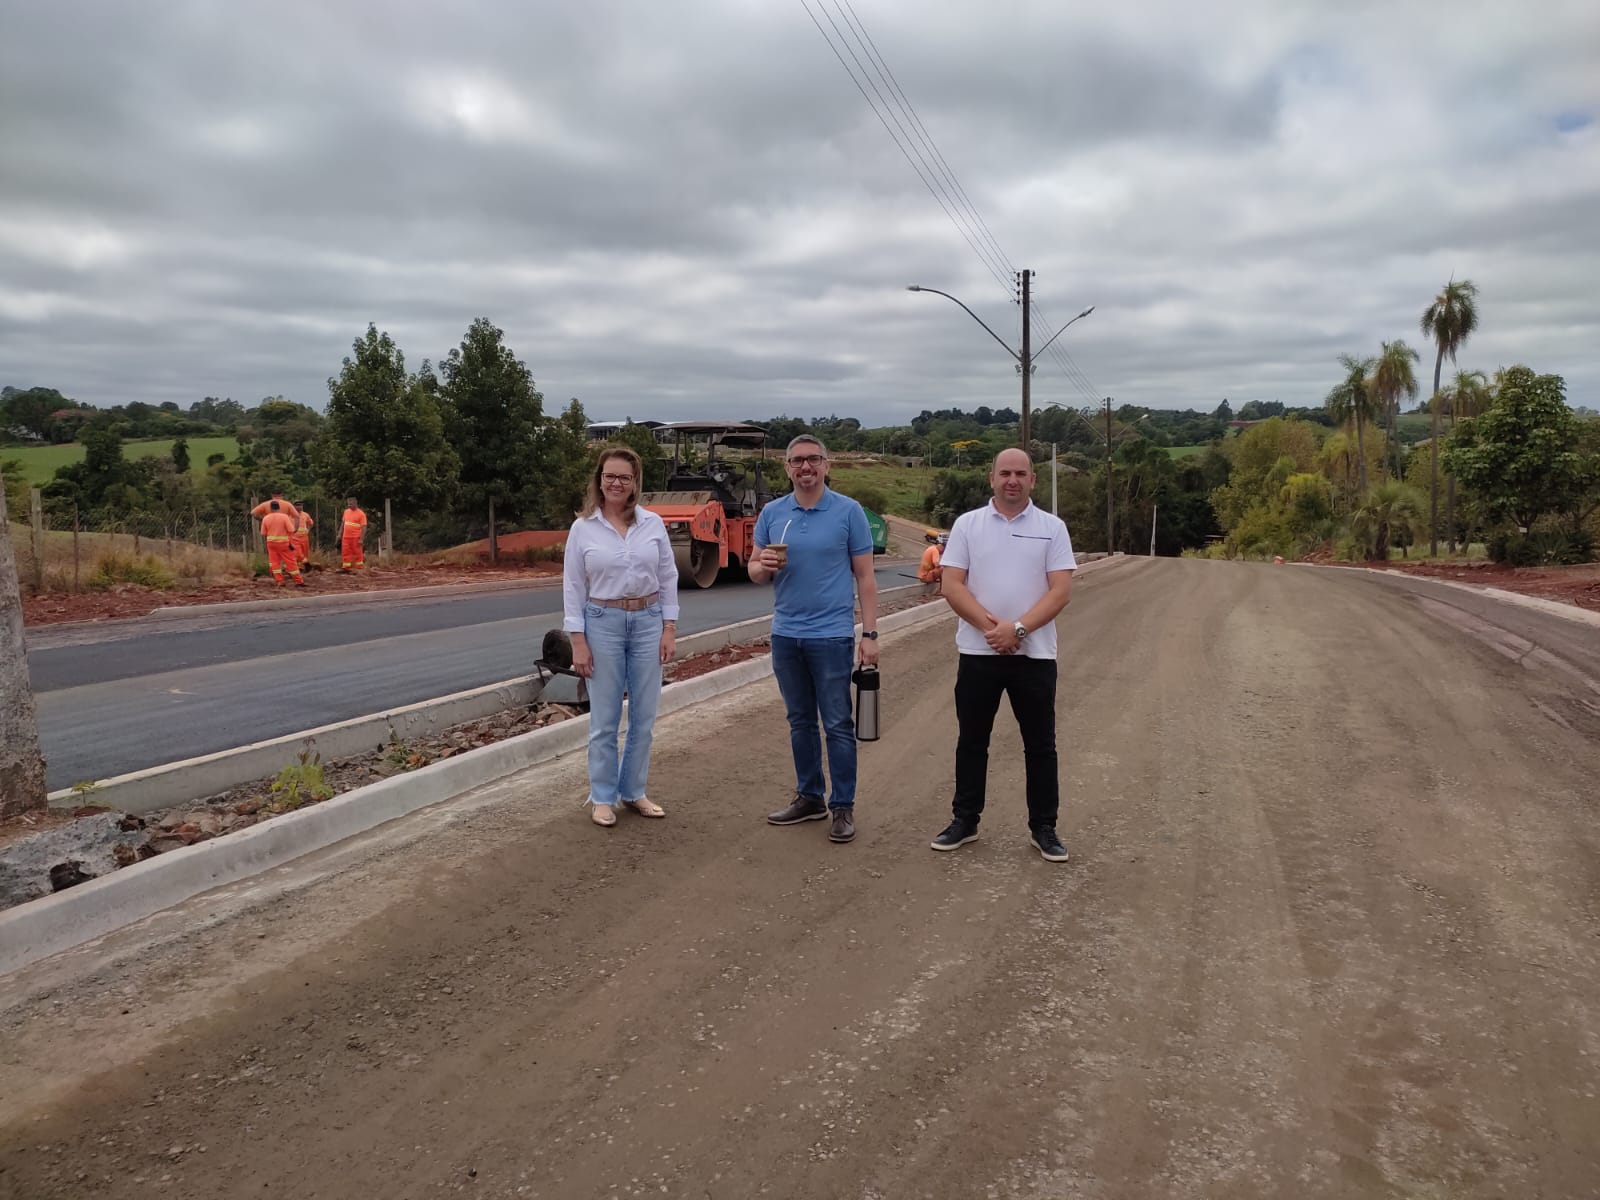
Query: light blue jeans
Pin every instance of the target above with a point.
(627, 658)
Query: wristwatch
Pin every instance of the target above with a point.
(870, 633)
(1021, 630)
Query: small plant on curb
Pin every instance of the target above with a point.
(87, 792)
(402, 757)
(303, 783)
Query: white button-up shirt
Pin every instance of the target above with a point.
(1007, 561)
(607, 565)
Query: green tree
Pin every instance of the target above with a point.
(1467, 396)
(561, 455)
(1353, 401)
(1388, 514)
(1450, 320)
(1393, 379)
(1263, 457)
(493, 416)
(1521, 456)
(180, 456)
(384, 433)
(283, 432)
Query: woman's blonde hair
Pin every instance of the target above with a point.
(595, 499)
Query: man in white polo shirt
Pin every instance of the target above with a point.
(1007, 572)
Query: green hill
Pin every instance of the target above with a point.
(39, 463)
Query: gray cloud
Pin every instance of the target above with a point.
(689, 210)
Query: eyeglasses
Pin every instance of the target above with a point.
(610, 478)
(808, 460)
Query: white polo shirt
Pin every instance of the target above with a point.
(1006, 560)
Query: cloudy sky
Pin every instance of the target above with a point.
(689, 209)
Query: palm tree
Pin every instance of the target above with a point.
(1467, 396)
(1338, 460)
(1352, 400)
(1450, 320)
(21, 765)
(1391, 506)
(1393, 378)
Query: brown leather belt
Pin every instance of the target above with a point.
(631, 604)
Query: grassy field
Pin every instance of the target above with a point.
(905, 488)
(39, 463)
(1188, 451)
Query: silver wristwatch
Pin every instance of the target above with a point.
(1022, 630)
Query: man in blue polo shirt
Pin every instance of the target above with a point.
(815, 547)
(1008, 574)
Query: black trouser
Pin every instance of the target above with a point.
(1031, 684)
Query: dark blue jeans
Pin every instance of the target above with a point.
(814, 679)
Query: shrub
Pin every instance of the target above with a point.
(115, 568)
(1541, 547)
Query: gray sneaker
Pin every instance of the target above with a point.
(801, 808)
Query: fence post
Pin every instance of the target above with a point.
(36, 513)
(388, 531)
(75, 560)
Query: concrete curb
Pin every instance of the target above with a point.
(1555, 608)
(206, 775)
(66, 919)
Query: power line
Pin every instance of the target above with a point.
(943, 185)
(902, 146)
(917, 122)
(925, 170)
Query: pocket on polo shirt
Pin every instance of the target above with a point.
(1032, 548)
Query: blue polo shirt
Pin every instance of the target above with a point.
(814, 596)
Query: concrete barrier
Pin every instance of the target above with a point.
(58, 922)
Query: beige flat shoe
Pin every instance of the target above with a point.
(603, 814)
(646, 807)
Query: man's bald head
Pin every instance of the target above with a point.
(1013, 458)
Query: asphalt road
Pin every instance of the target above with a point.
(1331, 929)
(146, 693)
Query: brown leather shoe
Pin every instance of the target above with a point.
(801, 808)
(844, 825)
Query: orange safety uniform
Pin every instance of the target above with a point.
(302, 537)
(353, 524)
(284, 506)
(929, 570)
(279, 528)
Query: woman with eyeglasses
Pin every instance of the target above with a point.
(620, 607)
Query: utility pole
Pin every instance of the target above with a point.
(1053, 471)
(22, 787)
(1026, 363)
(1110, 540)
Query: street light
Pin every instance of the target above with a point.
(1028, 357)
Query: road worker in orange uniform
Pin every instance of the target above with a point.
(352, 526)
(278, 527)
(276, 504)
(929, 570)
(302, 536)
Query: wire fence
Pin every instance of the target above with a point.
(71, 549)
